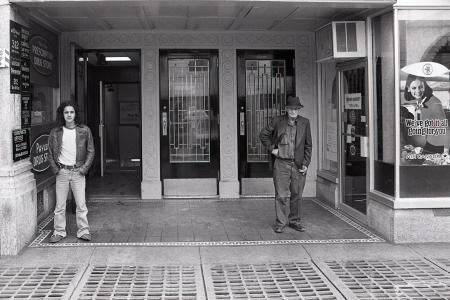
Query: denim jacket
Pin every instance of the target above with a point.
(85, 148)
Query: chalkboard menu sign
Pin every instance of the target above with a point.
(15, 56)
(21, 144)
(19, 58)
(26, 110)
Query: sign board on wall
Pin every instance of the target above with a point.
(26, 110)
(129, 112)
(25, 60)
(21, 144)
(19, 58)
(15, 57)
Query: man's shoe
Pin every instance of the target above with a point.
(55, 238)
(85, 237)
(297, 227)
(279, 229)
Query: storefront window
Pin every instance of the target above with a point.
(44, 104)
(425, 103)
(383, 112)
(329, 103)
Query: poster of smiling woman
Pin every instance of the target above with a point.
(425, 134)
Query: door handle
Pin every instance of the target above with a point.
(164, 123)
(242, 123)
(100, 130)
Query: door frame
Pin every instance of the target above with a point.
(340, 68)
(187, 183)
(93, 110)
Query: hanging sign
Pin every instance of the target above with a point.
(15, 57)
(39, 154)
(21, 144)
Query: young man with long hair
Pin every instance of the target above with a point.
(71, 152)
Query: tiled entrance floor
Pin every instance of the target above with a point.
(117, 184)
(205, 222)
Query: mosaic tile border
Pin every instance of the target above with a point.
(372, 238)
(348, 220)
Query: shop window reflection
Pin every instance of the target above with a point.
(384, 115)
(43, 105)
(329, 98)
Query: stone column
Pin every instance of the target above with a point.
(18, 219)
(228, 184)
(151, 187)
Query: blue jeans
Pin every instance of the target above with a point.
(289, 184)
(66, 179)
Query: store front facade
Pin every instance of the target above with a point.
(383, 125)
(207, 78)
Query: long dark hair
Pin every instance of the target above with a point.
(60, 112)
(427, 93)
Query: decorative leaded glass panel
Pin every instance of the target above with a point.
(189, 111)
(265, 99)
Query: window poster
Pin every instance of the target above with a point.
(424, 115)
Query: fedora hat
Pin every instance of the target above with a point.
(293, 102)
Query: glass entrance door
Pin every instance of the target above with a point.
(265, 79)
(189, 115)
(354, 137)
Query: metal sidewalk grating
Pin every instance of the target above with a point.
(291, 280)
(142, 282)
(17, 282)
(388, 279)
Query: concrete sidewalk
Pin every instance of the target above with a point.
(302, 271)
(213, 249)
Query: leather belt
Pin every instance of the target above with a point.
(63, 166)
(287, 159)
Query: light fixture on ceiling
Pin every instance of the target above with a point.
(117, 58)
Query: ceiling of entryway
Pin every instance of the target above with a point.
(215, 15)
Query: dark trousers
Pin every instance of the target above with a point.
(289, 184)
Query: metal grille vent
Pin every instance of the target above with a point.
(296, 280)
(35, 282)
(142, 282)
(389, 279)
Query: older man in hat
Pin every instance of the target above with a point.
(288, 139)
